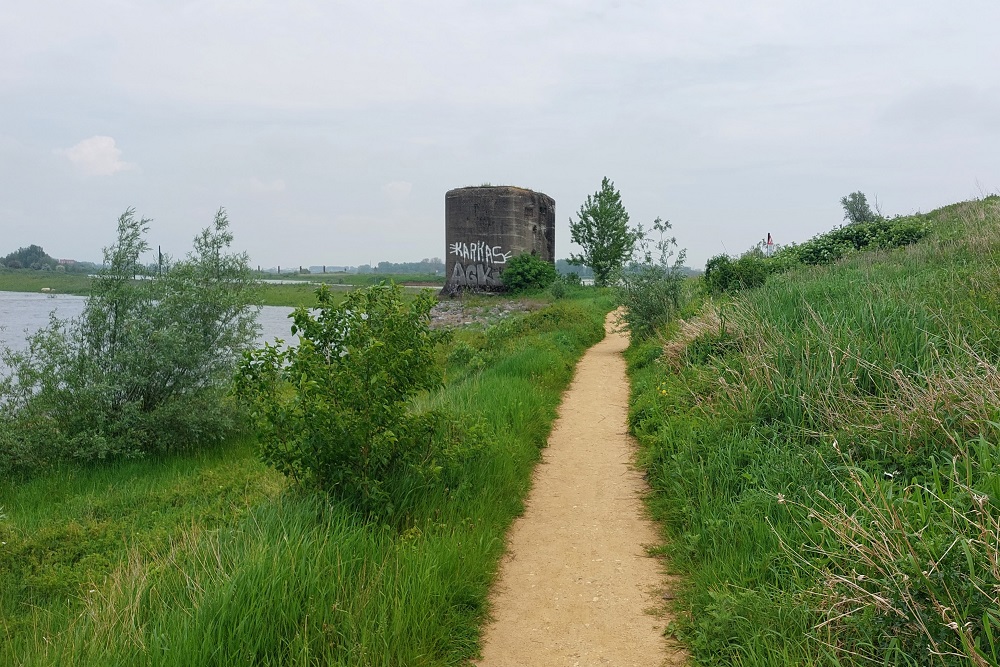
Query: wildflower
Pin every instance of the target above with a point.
(781, 499)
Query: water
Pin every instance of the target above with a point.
(24, 311)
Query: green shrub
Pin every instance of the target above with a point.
(146, 365)
(528, 272)
(333, 413)
(724, 274)
(652, 295)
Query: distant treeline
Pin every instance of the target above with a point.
(35, 258)
(433, 265)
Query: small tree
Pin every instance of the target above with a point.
(603, 232)
(856, 209)
(333, 413)
(147, 364)
(528, 272)
(652, 294)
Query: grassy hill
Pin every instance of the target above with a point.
(823, 453)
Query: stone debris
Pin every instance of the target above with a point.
(450, 314)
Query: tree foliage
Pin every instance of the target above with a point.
(32, 257)
(652, 294)
(146, 365)
(603, 232)
(333, 413)
(857, 210)
(528, 272)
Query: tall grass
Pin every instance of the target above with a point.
(266, 576)
(823, 454)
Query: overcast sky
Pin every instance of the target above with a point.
(330, 131)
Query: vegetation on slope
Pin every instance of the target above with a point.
(823, 454)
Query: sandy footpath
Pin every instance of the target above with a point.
(576, 587)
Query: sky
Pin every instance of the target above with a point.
(330, 131)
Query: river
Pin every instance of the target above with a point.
(22, 312)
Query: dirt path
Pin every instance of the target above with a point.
(576, 587)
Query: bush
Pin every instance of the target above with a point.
(146, 365)
(752, 268)
(652, 295)
(528, 272)
(333, 413)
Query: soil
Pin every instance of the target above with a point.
(577, 586)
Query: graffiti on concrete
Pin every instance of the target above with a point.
(479, 251)
(475, 275)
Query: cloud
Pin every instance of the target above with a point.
(97, 156)
(397, 191)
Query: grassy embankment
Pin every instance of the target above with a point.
(823, 454)
(26, 280)
(211, 559)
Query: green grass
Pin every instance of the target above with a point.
(210, 560)
(27, 280)
(823, 454)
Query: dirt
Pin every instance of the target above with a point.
(577, 586)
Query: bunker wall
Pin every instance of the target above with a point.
(487, 226)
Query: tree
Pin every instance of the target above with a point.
(33, 257)
(856, 209)
(147, 365)
(652, 294)
(334, 412)
(603, 233)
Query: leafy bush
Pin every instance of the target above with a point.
(145, 366)
(572, 279)
(652, 294)
(528, 272)
(752, 268)
(334, 414)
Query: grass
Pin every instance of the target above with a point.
(823, 454)
(210, 560)
(27, 280)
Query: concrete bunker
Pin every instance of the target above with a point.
(486, 226)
